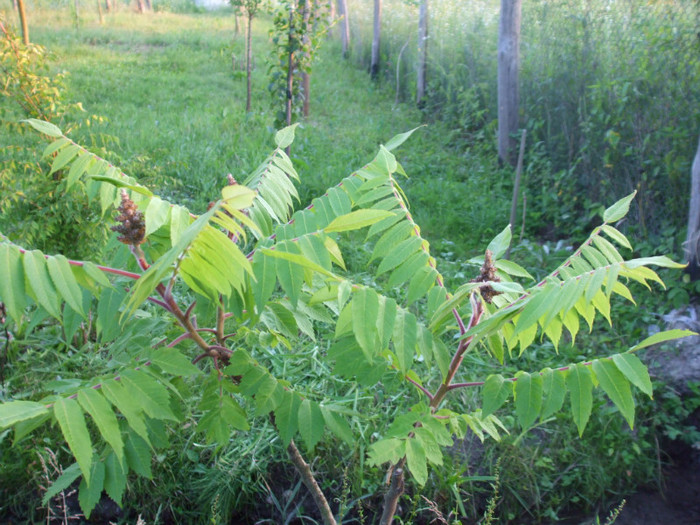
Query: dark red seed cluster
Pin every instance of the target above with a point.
(131, 224)
(488, 274)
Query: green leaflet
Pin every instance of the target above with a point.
(500, 243)
(37, 279)
(311, 423)
(494, 393)
(157, 214)
(14, 412)
(69, 475)
(285, 136)
(115, 479)
(618, 210)
(365, 312)
(44, 127)
(580, 385)
(153, 396)
(287, 416)
(72, 422)
(387, 450)
(123, 399)
(399, 139)
(400, 254)
(103, 416)
(290, 275)
(89, 493)
(64, 157)
(416, 460)
(422, 281)
(55, 146)
(78, 168)
(528, 398)
(355, 220)
(554, 390)
(405, 338)
(65, 283)
(173, 362)
(616, 386)
(390, 238)
(138, 455)
(635, 371)
(12, 290)
(616, 236)
(299, 260)
(337, 424)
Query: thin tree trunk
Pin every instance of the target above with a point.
(516, 189)
(374, 65)
(306, 42)
(290, 67)
(141, 6)
(310, 481)
(344, 27)
(77, 9)
(692, 242)
(248, 61)
(108, 6)
(148, 5)
(508, 65)
(331, 17)
(14, 5)
(23, 22)
(422, 51)
(100, 13)
(236, 25)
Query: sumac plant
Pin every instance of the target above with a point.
(251, 278)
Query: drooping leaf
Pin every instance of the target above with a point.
(101, 412)
(39, 281)
(72, 422)
(157, 214)
(287, 417)
(138, 455)
(365, 311)
(580, 387)
(65, 283)
(89, 493)
(115, 479)
(634, 370)
(416, 460)
(337, 424)
(528, 398)
(494, 393)
(554, 390)
(311, 423)
(616, 386)
(405, 338)
(12, 291)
